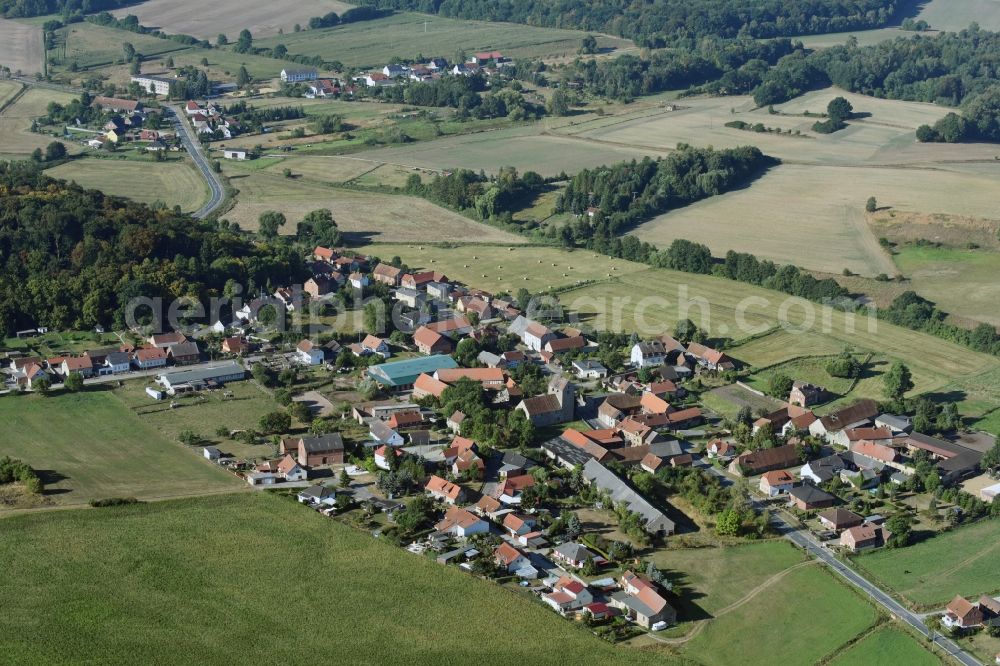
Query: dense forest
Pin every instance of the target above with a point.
(630, 192)
(734, 66)
(72, 258)
(26, 8)
(657, 23)
(945, 69)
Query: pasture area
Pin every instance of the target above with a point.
(888, 646)
(362, 215)
(371, 44)
(825, 615)
(199, 577)
(90, 445)
(203, 413)
(777, 328)
(929, 574)
(711, 579)
(59, 343)
(959, 281)
(223, 65)
(500, 268)
(525, 148)
(91, 45)
(260, 17)
(21, 47)
(173, 183)
(16, 137)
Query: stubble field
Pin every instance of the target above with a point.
(172, 183)
(16, 139)
(21, 47)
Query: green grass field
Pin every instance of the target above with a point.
(257, 578)
(175, 183)
(405, 35)
(713, 578)
(91, 45)
(929, 574)
(98, 448)
(957, 280)
(887, 646)
(805, 617)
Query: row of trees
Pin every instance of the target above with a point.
(660, 22)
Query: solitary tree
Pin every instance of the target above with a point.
(897, 381)
(839, 110)
(871, 205)
(270, 222)
(73, 382)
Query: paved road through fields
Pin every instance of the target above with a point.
(193, 147)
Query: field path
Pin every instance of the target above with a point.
(748, 597)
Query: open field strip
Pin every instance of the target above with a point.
(260, 17)
(958, 281)
(929, 574)
(173, 183)
(362, 215)
(90, 446)
(406, 35)
(21, 47)
(199, 577)
(90, 45)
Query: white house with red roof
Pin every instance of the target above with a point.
(568, 595)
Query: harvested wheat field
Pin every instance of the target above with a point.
(21, 47)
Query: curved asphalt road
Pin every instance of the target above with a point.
(193, 147)
(805, 541)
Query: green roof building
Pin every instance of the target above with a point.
(402, 374)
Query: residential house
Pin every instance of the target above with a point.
(641, 602)
(751, 463)
(454, 422)
(710, 359)
(468, 462)
(776, 482)
(234, 345)
(461, 523)
(831, 426)
(588, 369)
(211, 453)
(148, 358)
(358, 280)
(808, 497)
(489, 506)
(454, 327)
(574, 554)
(840, 519)
(382, 454)
(375, 345)
(445, 490)
(510, 489)
(185, 353)
(962, 614)
(317, 286)
(617, 407)
(648, 354)
(318, 495)
(721, 450)
(568, 595)
(383, 434)
(822, 470)
(32, 373)
(118, 362)
(321, 253)
(899, 425)
(864, 537)
(429, 341)
(518, 524)
(81, 365)
(290, 470)
(510, 559)
(167, 340)
(309, 353)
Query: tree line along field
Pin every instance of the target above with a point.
(174, 183)
(370, 44)
(199, 577)
(929, 574)
(620, 300)
(361, 215)
(91, 446)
